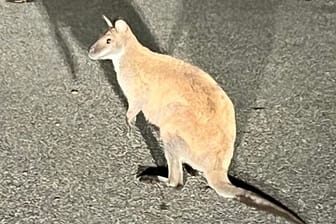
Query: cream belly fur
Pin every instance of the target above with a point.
(195, 116)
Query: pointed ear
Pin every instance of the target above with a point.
(121, 26)
(109, 23)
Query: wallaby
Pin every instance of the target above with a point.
(195, 117)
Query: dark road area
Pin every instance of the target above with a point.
(64, 153)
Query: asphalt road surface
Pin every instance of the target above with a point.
(64, 154)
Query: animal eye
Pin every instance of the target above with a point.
(108, 41)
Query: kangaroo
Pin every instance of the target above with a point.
(195, 116)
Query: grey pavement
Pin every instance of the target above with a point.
(64, 154)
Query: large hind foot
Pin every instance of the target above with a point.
(154, 175)
(172, 146)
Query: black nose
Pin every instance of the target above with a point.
(91, 49)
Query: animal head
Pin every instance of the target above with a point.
(113, 42)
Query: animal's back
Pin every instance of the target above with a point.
(186, 101)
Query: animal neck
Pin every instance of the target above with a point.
(116, 61)
(128, 57)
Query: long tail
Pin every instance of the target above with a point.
(254, 198)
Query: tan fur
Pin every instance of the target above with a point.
(195, 116)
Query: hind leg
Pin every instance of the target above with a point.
(175, 170)
(172, 147)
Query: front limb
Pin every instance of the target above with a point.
(133, 109)
(131, 117)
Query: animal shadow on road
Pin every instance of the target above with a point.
(84, 19)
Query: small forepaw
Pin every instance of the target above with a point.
(131, 118)
(130, 121)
